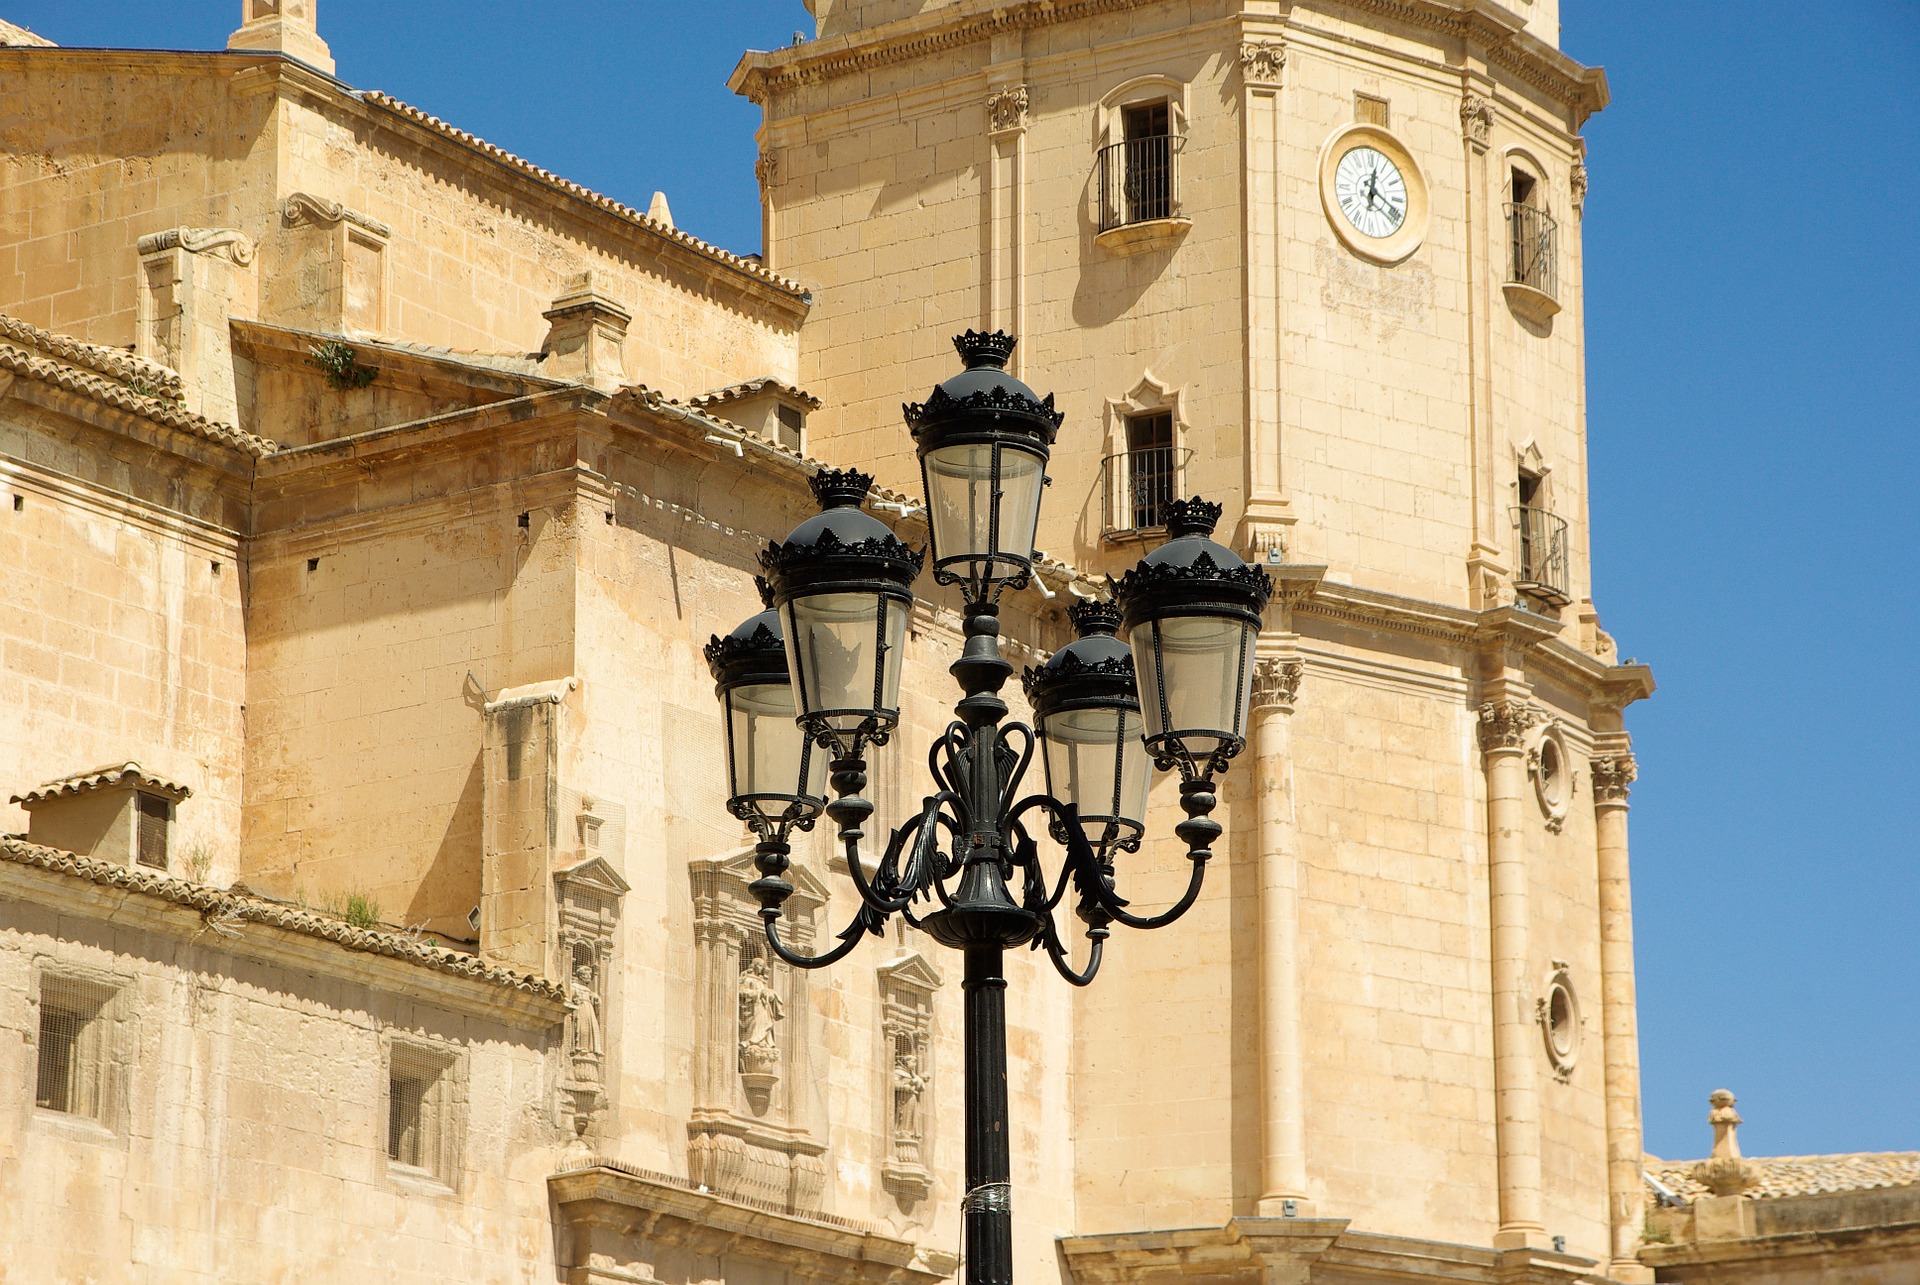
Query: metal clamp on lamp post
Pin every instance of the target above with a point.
(968, 869)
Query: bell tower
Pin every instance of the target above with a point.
(1319, 261)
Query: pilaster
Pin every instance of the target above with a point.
(1613, 771)
(1283, 1159)
(1006, 117)
(1268, 515)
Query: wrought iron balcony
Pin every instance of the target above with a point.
(1543, 556)
(1138, 486)
(1139, 181)
(1533, 263)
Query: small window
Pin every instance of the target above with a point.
(420, 1111)
(791, 422)
(1531, 488)
(1150, 482)
(1524, 187)
(155, 813)
(1369, 109)
(72, 1046)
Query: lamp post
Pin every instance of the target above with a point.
(968, 870)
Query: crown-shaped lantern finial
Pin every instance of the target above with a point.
(840, 488)
(985, 348)
(1193, 516)
(1095, 616)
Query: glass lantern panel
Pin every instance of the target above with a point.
(1196, 677)
(767, 745)
(838, 644)
(1097, 762)
(960, 485)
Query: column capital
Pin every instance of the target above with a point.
(1007, 111)
(1261, 61)
(1503, 724)
(1276, 682)
(1612, 775)
(1476, 120)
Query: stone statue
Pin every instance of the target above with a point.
(760, 1013)
(585, 1006)
(908, 1085)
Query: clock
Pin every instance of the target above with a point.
(1371, 191)
(1374, 194)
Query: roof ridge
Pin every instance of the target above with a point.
(752, 268)
(227, 906)
(35, 363)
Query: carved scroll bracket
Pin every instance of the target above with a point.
(1261, 62)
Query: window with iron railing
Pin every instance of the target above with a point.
(1531, 235)
(1542, 572)
(1138, 177)
(1143, 479)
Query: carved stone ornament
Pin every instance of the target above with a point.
(304, 209)
(1504, 724)
(767, 168)
(230, 243)
(1261, 61)
(1612, 775)
(1725, 1172)
(907, 986)
(1007, 110)
(1476, 120)
(1577, 179)
(1276, 682)
(761, 1010)
(1558, 1011)
(1554, 780)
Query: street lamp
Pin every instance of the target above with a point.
(968, 870)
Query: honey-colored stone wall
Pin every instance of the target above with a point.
(246, 1135)
(123, 638)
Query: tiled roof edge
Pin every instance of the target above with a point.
(221, 905)
(540, 174)
(114, 363)
(100, 778)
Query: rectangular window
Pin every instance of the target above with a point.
(155, 814)
(420, 1103)
(72, 1047)
(1149, 469)
(1149, 161)
(791, 422)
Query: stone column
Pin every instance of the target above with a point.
(1283, 1151)
(1007, 118)
(1267, 516)
(1612, 775)
(1516, 1095)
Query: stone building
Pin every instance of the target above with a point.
(369, 493)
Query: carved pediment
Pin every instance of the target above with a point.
(912, 970)
(594, 874)
(738, 868)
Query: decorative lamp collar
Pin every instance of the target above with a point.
(1192, 517)
(1095, 618)
(989, 349)
(840, 488)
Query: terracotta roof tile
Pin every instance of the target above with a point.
(226, 907)
(734, 392)
(749, 266)
(1802, 1175)
(99, 778)
(117, 379)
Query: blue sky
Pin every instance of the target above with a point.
(1753, 373)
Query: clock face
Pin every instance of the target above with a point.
(1371, 192)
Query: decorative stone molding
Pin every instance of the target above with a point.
(1558, 1011)
(1476, 121)
(229, 243)
(1612, 777)
(1554, 780)
(304, 209)
(1007, 111)
(1725, 1172)
(588, 896)
(1577, 180)
(1261, 62)
(906, 1003)
(1276, 682)
(750, 1135)
(1504, 724)
(767, 168)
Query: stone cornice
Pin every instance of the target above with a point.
(1497, 30)
(246, 925)
(604, 1198)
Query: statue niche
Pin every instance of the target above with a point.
(907, 986)
(757, 1125)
